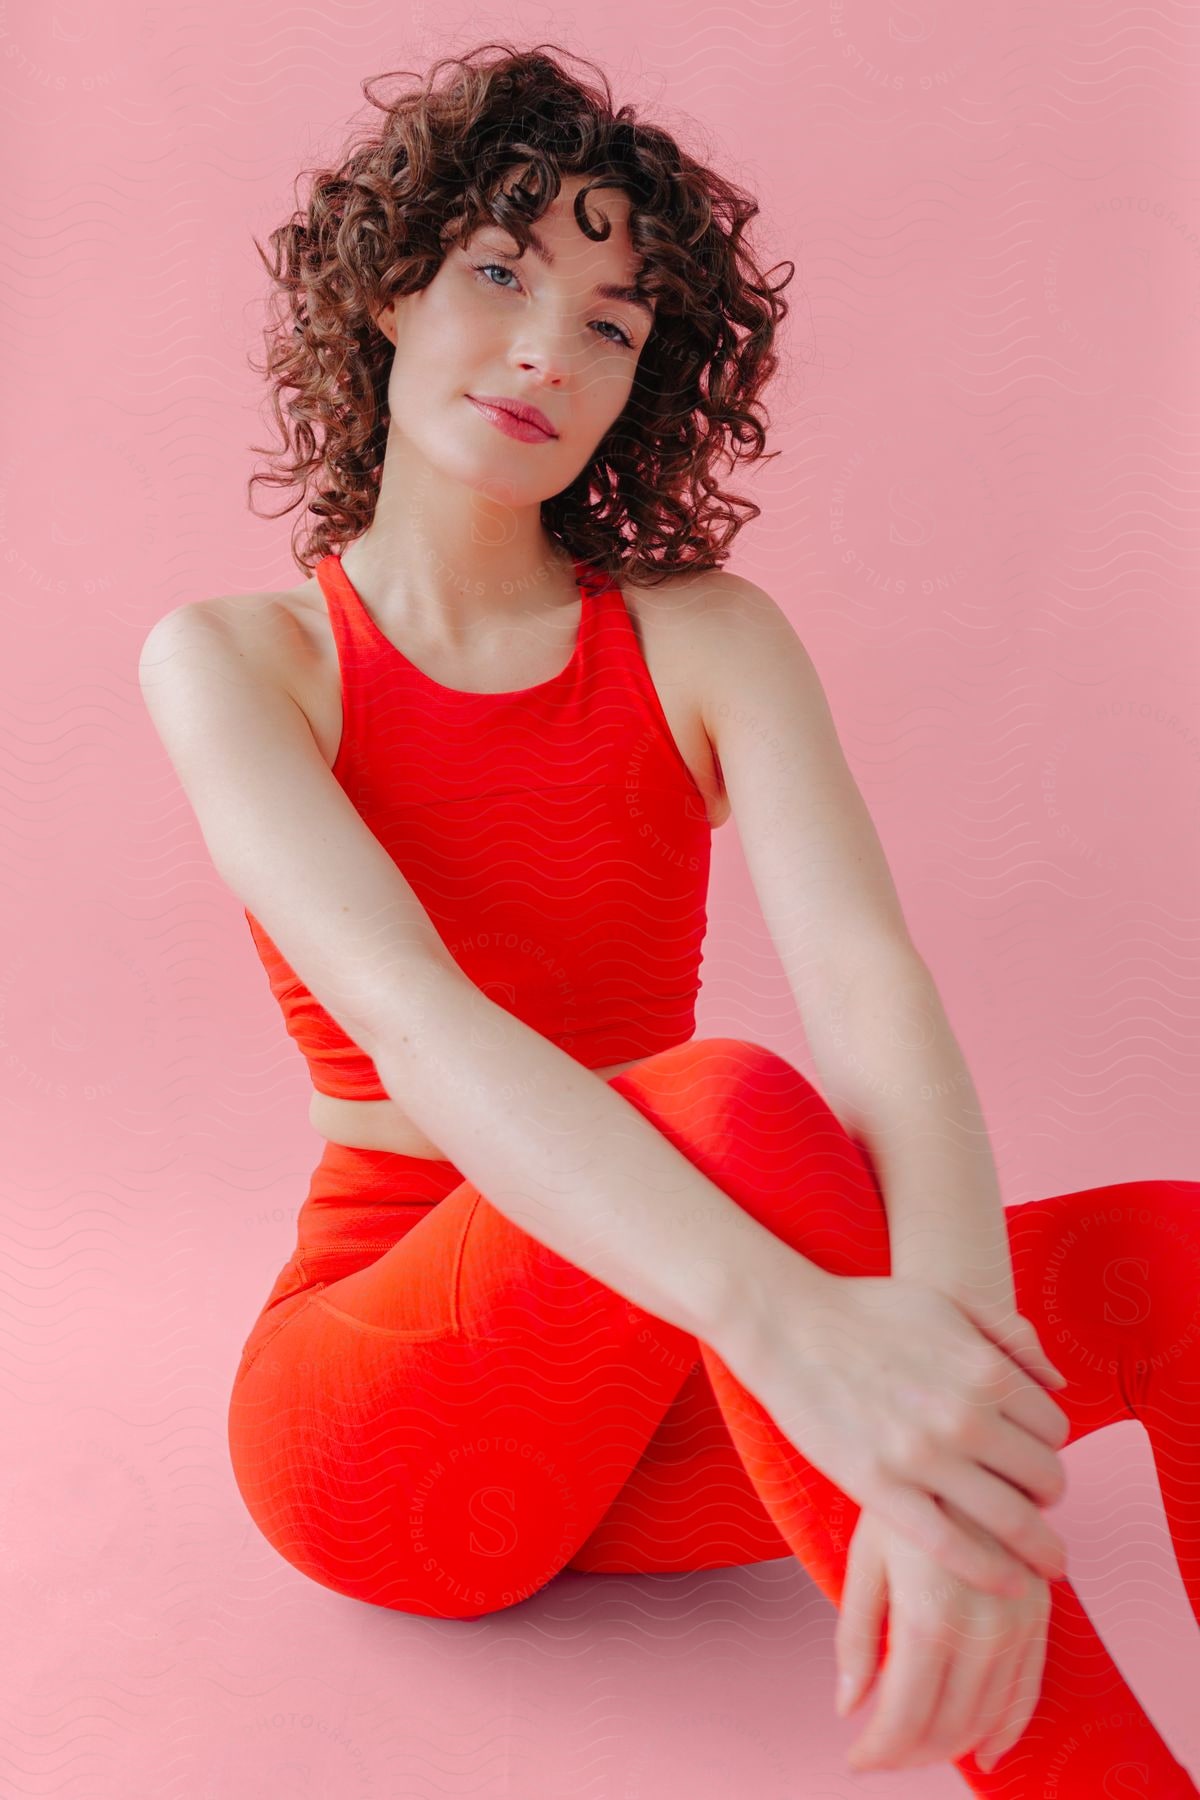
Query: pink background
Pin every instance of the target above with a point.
(983, 526)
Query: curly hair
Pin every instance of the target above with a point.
(648, 504)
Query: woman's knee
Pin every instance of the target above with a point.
(728, 1068)
(760, 1129)
(726, 1087)
(729, 1053)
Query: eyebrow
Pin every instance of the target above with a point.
(606, 290)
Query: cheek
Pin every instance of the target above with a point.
(467, 306)
(429, 358)
(444, 319)
(615, 392)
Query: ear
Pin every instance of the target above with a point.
(385, 318)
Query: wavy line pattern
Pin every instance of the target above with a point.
(981, 527)
(578, 902)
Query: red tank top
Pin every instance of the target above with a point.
(554, 834)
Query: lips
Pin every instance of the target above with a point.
(516, 409)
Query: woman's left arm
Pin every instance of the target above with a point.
(886, 1059)
(885, 1052)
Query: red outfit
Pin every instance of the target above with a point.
(435, 1412)
(554, 834)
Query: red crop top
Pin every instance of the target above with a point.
(554, 834)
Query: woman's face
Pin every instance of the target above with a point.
(495, 323)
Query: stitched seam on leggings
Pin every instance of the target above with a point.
(281, 1325)
(437, 1333)
(458, 1263)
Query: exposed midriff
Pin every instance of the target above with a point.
(384, 1125)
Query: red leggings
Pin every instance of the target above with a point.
(435, 1412)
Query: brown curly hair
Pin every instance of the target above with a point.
(647, 505)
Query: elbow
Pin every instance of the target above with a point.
(870, 1021)
(418, 1015)
(877, 966)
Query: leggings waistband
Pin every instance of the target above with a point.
(369, 1196)
(345, 1167)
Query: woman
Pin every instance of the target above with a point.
(464, 780)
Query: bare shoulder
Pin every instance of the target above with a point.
(709, 606)
(270, 629)
(722, 627)
(690, 594)
(691, 608)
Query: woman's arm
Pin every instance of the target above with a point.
(883, 1035)
(886, 1060)
(568, 1159)
(554, 1147)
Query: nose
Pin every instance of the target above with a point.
(551, 364)
(546, 348)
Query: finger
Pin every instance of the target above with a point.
(995, 1384)
(908, 1695)
(1017, 1392)
(857, 1638)
(1023, 1344)
(1025, 1461)
(1032, 1408)
(1000, 1508)
(977, 1702)
(1016, 1708)
(987, 1638)
(1047, 1423)
(916, 1514)
(1016, 1334)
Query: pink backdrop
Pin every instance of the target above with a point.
(982, 526)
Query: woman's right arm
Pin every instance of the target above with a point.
(555, 1148)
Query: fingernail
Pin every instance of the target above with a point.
(845, 1689)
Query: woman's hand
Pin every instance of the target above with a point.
(964, 1668)
(894, 1391)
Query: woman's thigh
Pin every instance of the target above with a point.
(362, 1206)
(1110, 1279)
(688, 1503)
(444, 1427)
(441, 1424)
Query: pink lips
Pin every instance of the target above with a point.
(514, 418)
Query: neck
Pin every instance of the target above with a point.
(439, 559)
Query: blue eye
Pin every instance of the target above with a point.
(481, 271)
